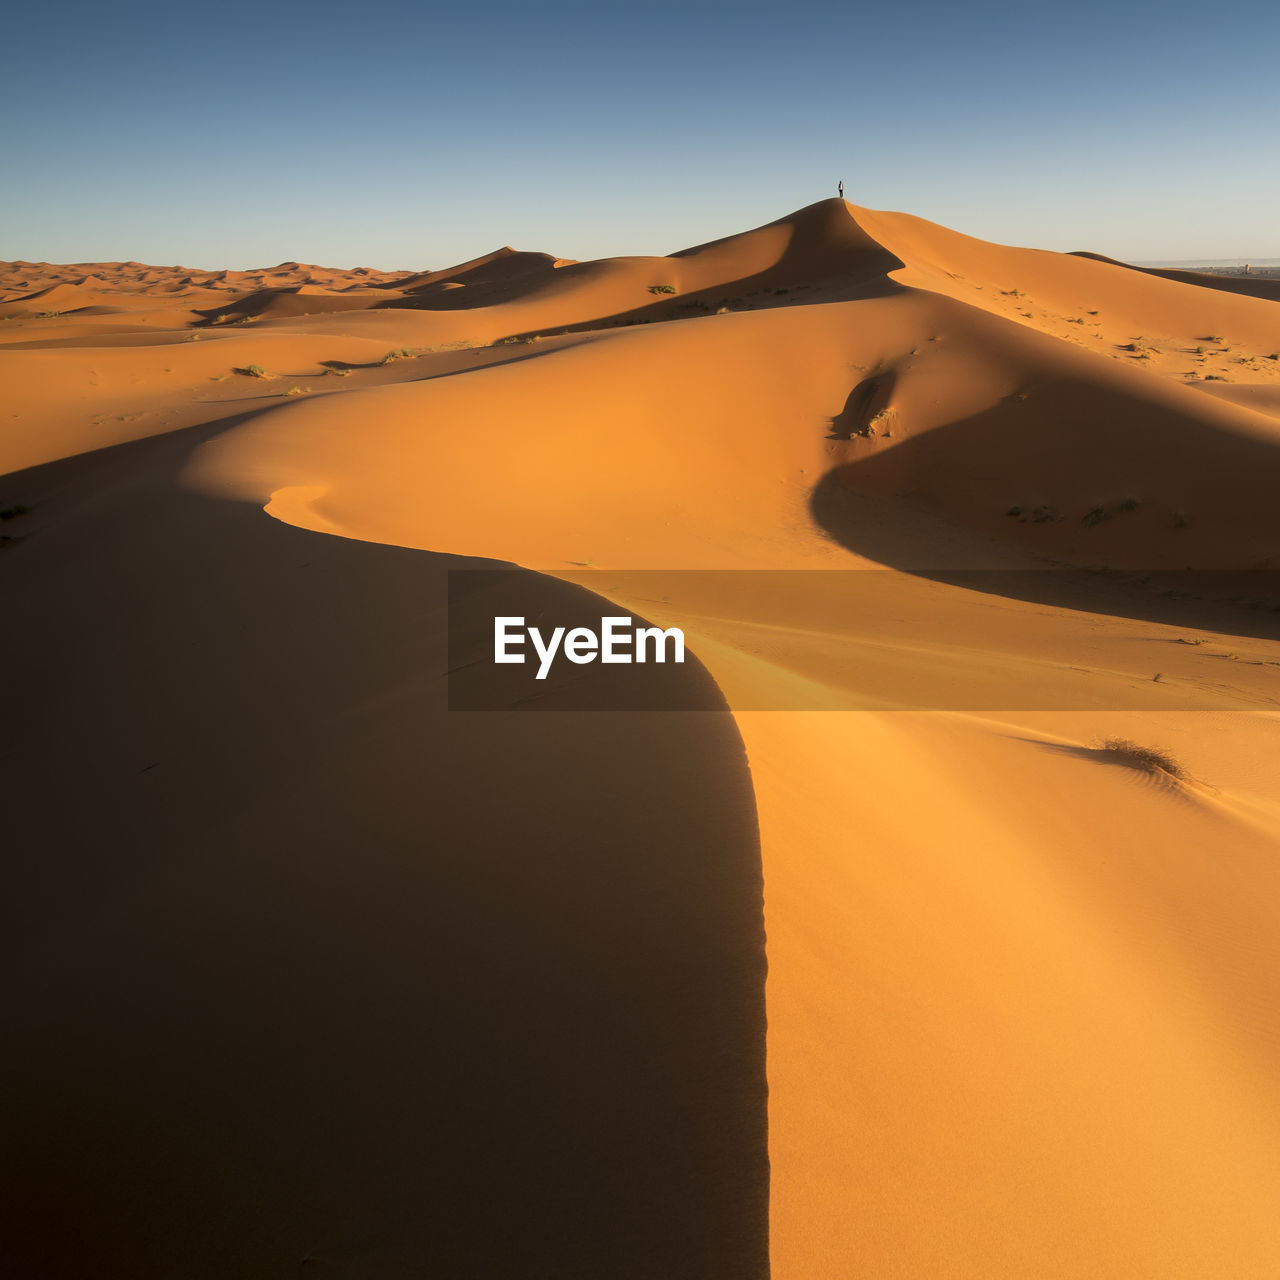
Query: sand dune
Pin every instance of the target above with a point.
(314, 970)
(1253, 288)
(293, 989)
(500, 266)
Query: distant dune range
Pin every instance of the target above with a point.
(1263, 287)
(313, 974)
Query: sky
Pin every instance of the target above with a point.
(416, 136)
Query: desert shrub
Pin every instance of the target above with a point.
(880, 423)
(662, 288)
(1146, 759)
(295, 390)
(400, 353)
(252, 371)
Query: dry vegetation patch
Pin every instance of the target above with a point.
(1134, 755)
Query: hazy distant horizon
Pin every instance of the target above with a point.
(1186, 264)
(1214, 262)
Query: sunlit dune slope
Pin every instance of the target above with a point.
(603, 451)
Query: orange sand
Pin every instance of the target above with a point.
(1022, 1003)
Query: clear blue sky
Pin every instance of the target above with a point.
(418, 135)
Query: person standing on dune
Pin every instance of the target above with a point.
(840, 188)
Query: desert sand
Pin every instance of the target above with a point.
(314, 975)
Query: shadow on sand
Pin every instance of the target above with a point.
(882, 506)
(308, 974)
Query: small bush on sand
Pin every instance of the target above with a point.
(881, 424)
(295, 390)
(662, 288)
(253, 371)
(1146, 759)
(400, 353)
